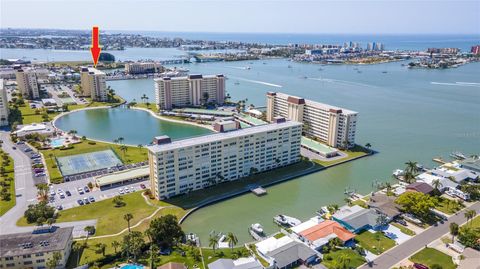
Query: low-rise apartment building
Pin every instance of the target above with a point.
(331, 125)
(27, 82)
(143, 68)
(33, 250)
(3, 104)
(191, 164)
(192, 90)
(93, 83)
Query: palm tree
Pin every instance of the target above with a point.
(128, 217)
(124, 149)
(90, 230)
(115, 245)
(77, 248)
(412, 167)
(453, 230)
(436, 184)
(470, 214)
(50, 221)
(120, 139)
(144, 97)
(232, 240)
(368, 146)
(101, 248)
(213, 242)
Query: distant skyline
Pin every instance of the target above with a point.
(248, 16)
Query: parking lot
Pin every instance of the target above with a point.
(38, 173)
(77, 190)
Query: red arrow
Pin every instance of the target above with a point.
(95, 48)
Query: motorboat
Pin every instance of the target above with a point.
(284, 220)
(257, 228)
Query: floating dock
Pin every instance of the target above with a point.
(259, 191)
(439, 160)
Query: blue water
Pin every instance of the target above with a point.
(58, 142)
(132, 266)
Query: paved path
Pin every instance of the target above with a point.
(408, 248)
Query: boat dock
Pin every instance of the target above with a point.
(255, 235)
(439, 160)
(259, 191)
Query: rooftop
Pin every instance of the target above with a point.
(326, 229)
(291, 253)
(420, 187)
(241, 263)
(317, 146)
(30, 243)
(204, 111)
(318, 105)
(385, 204)
(222, 136)
(122, 176)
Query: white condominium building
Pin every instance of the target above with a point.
(182, 166)
(27, 82)
(192, 90)
(93, 84)
(332, 125)
(143, 68)
(3, 105)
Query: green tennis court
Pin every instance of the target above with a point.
(86, 162)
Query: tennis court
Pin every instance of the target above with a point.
(86, 162)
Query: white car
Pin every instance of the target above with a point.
(132, 189)
(59, 190)
(126, 190)
(120, 191)
(80, 190)
(52, 193)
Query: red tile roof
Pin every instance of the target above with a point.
(325, 229)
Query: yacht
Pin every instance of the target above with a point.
(398, 173)
(236, 83)
(257, 228)
(458, 155)
(287, 221)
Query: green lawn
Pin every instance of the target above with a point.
(6, 205)
(109, 218)
(431, 256)
(353, 153)
(375, 245)
(360, 202)
(210, 256)
(196, 197)
(475, 223)
(403, 229)
(345, 258)
(448, 206)
(132, 155)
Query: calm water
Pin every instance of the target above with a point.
(135, 126)
(405, 114)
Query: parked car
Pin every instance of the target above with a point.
(80, 190)
(91, 199)
(86, 201)
(14, 147)
(86, 189)
(142, 186)
(401, 221)
(52, 193)
(27, 150)
(62, 196)
(20, 143)
(120, 191)
(80, 202)
(40, 174)
(68, 193)
(59, 207)
(420, 266)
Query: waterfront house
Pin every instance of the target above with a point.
(241, 263)
(357, 219)
(320, 234)
(472, 164)
(420, 186)
(285, 252)
(385, 204)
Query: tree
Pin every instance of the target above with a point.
(40, 221)
(42, 209)
(77, 248)
(42, 191)
(232, 240)
(50, 221)
(166, 231)
(436, 184)
(205, 97)
(469, 236)
(100, 248)
(411, 171)
(213, 242)
(128, 217)
(470, 214)
(368, 146)
(381, 220)
(416, 203)
(106, 57)
(52, 263)
(118, 201)
(453, 230)
(90, 230)
(124, 150)
(333, 208)
(115, 245)
(133, 243)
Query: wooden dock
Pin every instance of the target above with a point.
(259, 191)
(439, 160)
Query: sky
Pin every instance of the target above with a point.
(250, 16)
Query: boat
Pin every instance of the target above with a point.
(193, 238)
(257, 228)
(320, 69)
(289, 66)
(359, 71)
(398, 173)
(236, 83)
(384, 72)
(458, 155)
(287, 221)
(248, 68)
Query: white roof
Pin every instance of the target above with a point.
(306, 225)
(32, 127)
(317, 104)
(272, 243)
(255, 111)
(346, 211)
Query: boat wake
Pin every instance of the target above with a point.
(258, 82)
(238, 67)
(462, 84)
(346, 82)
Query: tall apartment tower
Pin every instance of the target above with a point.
(93, 83)
(189, 91)
(3, 105)
(181, 166)
(333, 126)
(27, 82)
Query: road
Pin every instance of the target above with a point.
(416, 243)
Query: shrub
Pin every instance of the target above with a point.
(92, 143)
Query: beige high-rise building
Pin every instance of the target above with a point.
(3, 104)
(189, 91)
(93, 84)
(143, 68)
(331, 125)
(191, 164)
(27, 82)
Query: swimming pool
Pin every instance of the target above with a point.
(57, 142)
(132, 266)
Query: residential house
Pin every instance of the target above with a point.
(285, 252)
(241, 263)
(357, 219)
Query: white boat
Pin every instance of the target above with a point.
(399, 172)
(257, 228)
(458, 155)
(284, 220)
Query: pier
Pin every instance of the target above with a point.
(259, 191)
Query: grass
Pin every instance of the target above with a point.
(403, 229)
(355, 152)
(475, 223)
(279, 235)
(369, 241)
(197, 197)
(360, 202)
(448, 206)
(132, 155)
(260, 258)
(334, 259)
(210, 256)
(6, 205)
(431, 256)
(110, 218)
